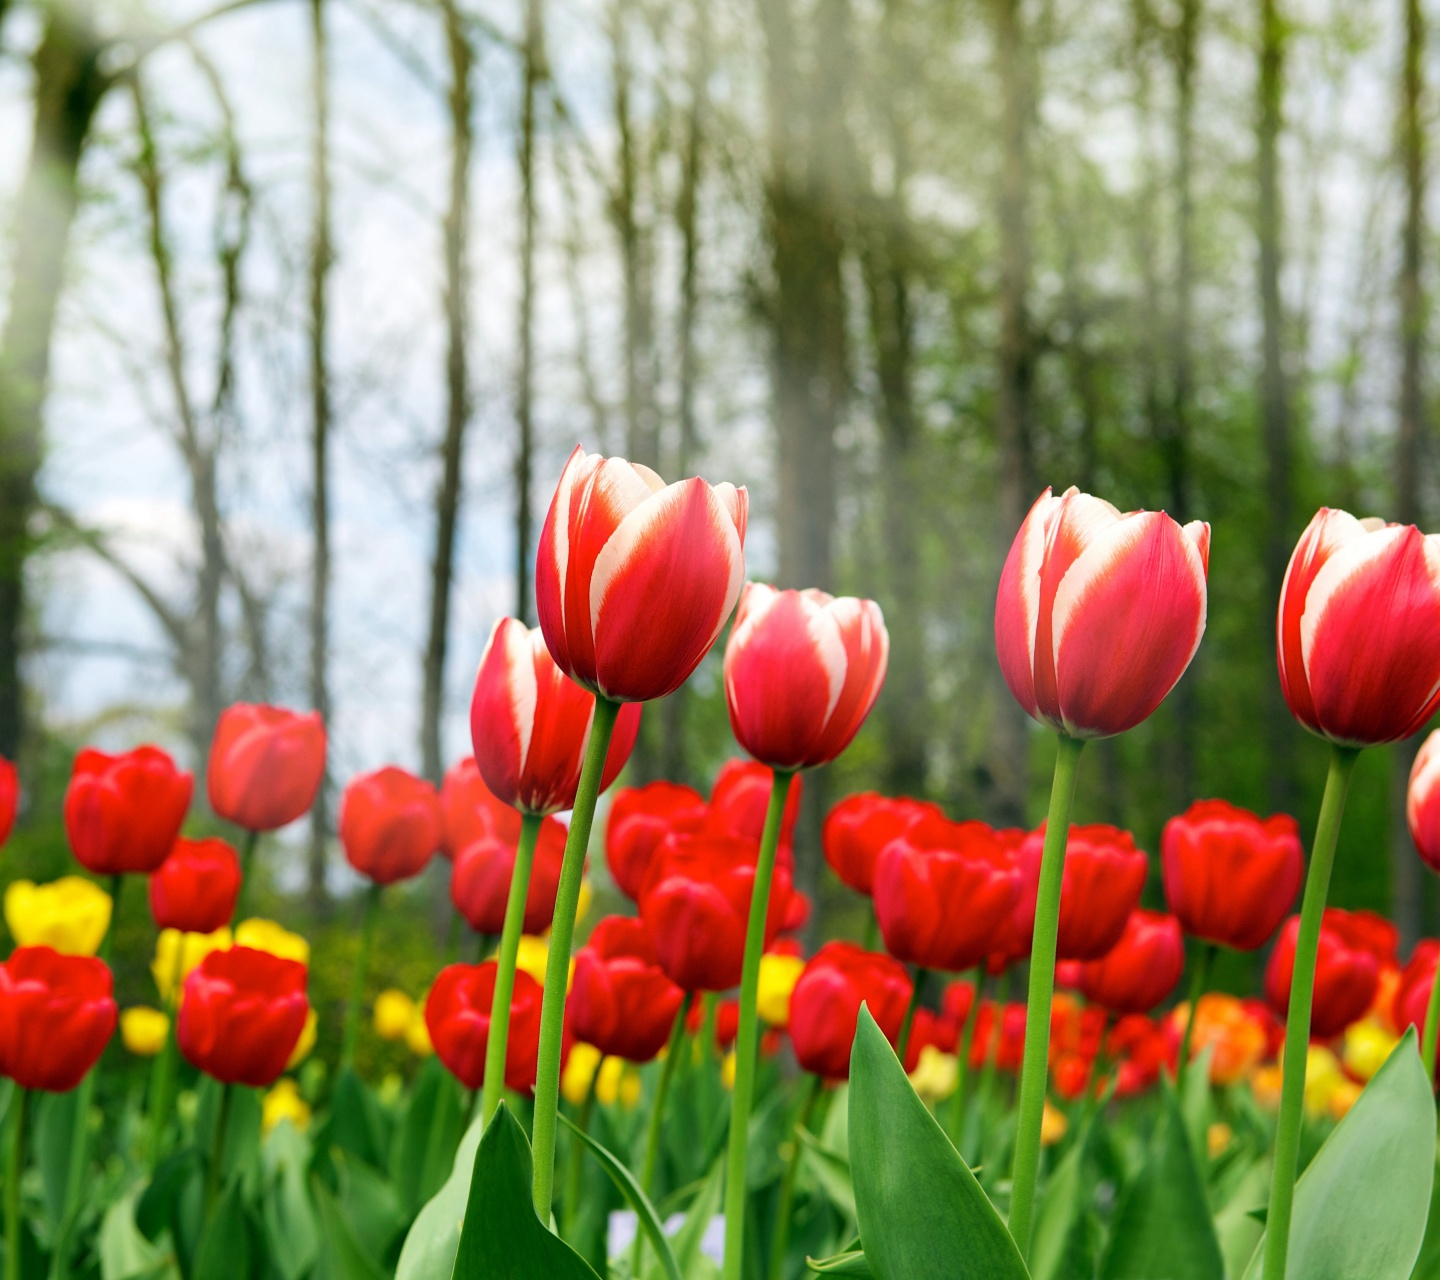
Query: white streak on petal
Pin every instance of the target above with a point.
(1352, 558)
(823, 623)
(1097, 561)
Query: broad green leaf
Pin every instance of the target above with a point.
(1235, 1226)
(1196, 1103)
(291, 1233)
(53, 1135)
(224, 1251)
(342, 1257)
(831, 1171)
(1427, 1265)
(502, 1237)
(1361, 1204)
(921, 1213)
(1163, 1226)
(370, 1203)
(356, 1123)
(842, 1264)
(1061, 1208)
(624, 1180)
(426, 1138)
(125, 1254)
(702, 1210)
(434, 1238)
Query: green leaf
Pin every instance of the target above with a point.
(434, 1238)
(292, 1236)
(425, 1142)
(356, 1123)
(343, 1257)
(922, 1215)
(224, 1251)
(624, 1180)
(501, 1236)
(842, 1264)
(125, 1254)
(370, 1203)
(1235, 1226)
(54, 1131)
(831, 1171)
(1427, 1265)
(1361, 1205)
(1061, 1209)
(1163, 1229)
(702, 1210)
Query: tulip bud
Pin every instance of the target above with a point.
(621, 1001)
(123, 813)
(640, 819)
(284, 1102)
(71, 914)
(389, 824)
(1103, 879)
(457, 1016)
(470, 811)
(1422, 801)
(480, 880)
(266, 765)
(144, 1030)
(242, 1015)
(57, 1014)
(196, 887)
(394, 1011)
(740, 797)
(860, 826)
(1140, 970)
(1346, 975)
(825, 1005)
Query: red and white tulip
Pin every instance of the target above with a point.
(1422, 801)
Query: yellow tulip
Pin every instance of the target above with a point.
(1053, 1125)
(71, 914)
(1265, 1084)
(394, 1011)
(1322, 1077)
(727, 1070)
(144, 1030)
(936, 1074)
(1367, 1045)
(778, 976)
(617, 1081)
(417, 1035)
(1217, 1139)
(306, 1043)
(266, 935)
(185, 949)
(579, 1073)
(284, 1102)
(1342, 1097)
(582, 905)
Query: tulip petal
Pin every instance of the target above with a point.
(1017, 602)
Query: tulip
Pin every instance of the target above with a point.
(470, 811)
(726, 1020)
(1422, 802)
(70, 914)
(305, 1046)
(123, 813)
(621, 1001)
(196, 887)
(640, 819)
(1231, 876)
(740, 797)
(1141, 970)
(1233, 1031)
(144, 1031)
(177, 955)
(242, 1015)
(389, 824)
(779, 972)
(417, 1036)
(9, 798)
(266, 935)
(1345, 978)
(999, 1036)
(860, 826)
(825, 1005)
(802, 670)
(284, 1102)
(394, 1012)
(481, 877)
(1104, 876)
(57, 1015)
(266, 765)
(457, 1016)
(1367, 931)
(928, 1030)
(942, 891)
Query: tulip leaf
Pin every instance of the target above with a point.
(291, 1234)
(124, 1253)
(224, 1249)
(434, 1237)
(1061, 1209)
(921, 1213)
(424, 1146)
(343, 1256)
(831, 1171)
(501, 1235)
(355, 1123)
(1163, 1226)
(851, 1264)
(1235, 1226)
(1361, 1204)
(636, 1198)
(697, 1221)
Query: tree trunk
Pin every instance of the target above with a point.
(457, 415)
(534, 71)
(68, 87)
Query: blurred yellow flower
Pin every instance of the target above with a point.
(582, 905)
(306, 1043)
(1217, 1139)
(71, 914)
(1367, 1045)
(417, 1035)
(1053, 1125)
(727, 1070)
(579, 1073)
(778, 976)
(284, 1102)
(531, 957)
(936, 1074)
(394, 1011)
(1265, 1083)
(144, 1030)
(617, 1081)
(1342, 1097)
(266, 935)
(189, 949)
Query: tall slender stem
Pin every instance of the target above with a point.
(557, 965)
(499, 1041)
(165, 1064)
(748, 1038)
(917, 994)
(357, 979)
(1297, 1023)
(1198, 977)
(1432, 1024)
(217, 1152)
(780, 1242)
(962, 1064)
(247, 864)
(14, 1167)
(1042, 988)
(657, 1117)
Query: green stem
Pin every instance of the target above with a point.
(452, 940)
(1198, 978)
(217, 1153)
(1297, 1022)
(992, 1057)
(709, 1049)
(497, 1044)
(247, 862)
(1432, 1024)
(748, 1038)
(14, 1167)
(962, 1065)
(163, 1081)
(657, 1116)
(575, 1164)
(357, 979)
(780, 1244)
(917, 994)
(557, 965)
(1042, 987)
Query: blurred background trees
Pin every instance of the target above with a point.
(305, 301)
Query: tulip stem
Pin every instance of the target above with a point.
(1198, 977)
(14, 1166)
(917, 993)
(165, 1064)
(708, 1026)
(748, 1038)
(357, 979)
(780, 1242)
(217, 1152)
(247, 861)
(1035, 1068)
(657, 1116)
(993, 1043)
(967, 1040)
(499, 1040)
(1432, 1025)
(1297, 1022)
(557, 964)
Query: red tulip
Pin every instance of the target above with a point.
(1230, 876)
(469, 810)
(529, 725)
(196, 887)
(1098, 613)
(958, 1001)
(1366, 931)
(1142, 1049)
(1358, 629)
(1346, 978)
(634, 579)
(480, 880)
(620, 1000)
(57, 1015)
(942, 891)
(457, 1015)
(389, 824)
(123, 813)
(1004, 1044)
(1412, 994)
(929, 1029)
(797, 914)
(802, 670)
(640, 819)
(9, 798)
(825, 1004)
(1070, 1073)
(741, 795)
(241, 1015)
(1140, 970)
(727, 1022)
(1013, 937)
(1075, 1028)
(695, 904)
(266, 765)
(1104, 877)
(1422, 802)
(860, 826)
